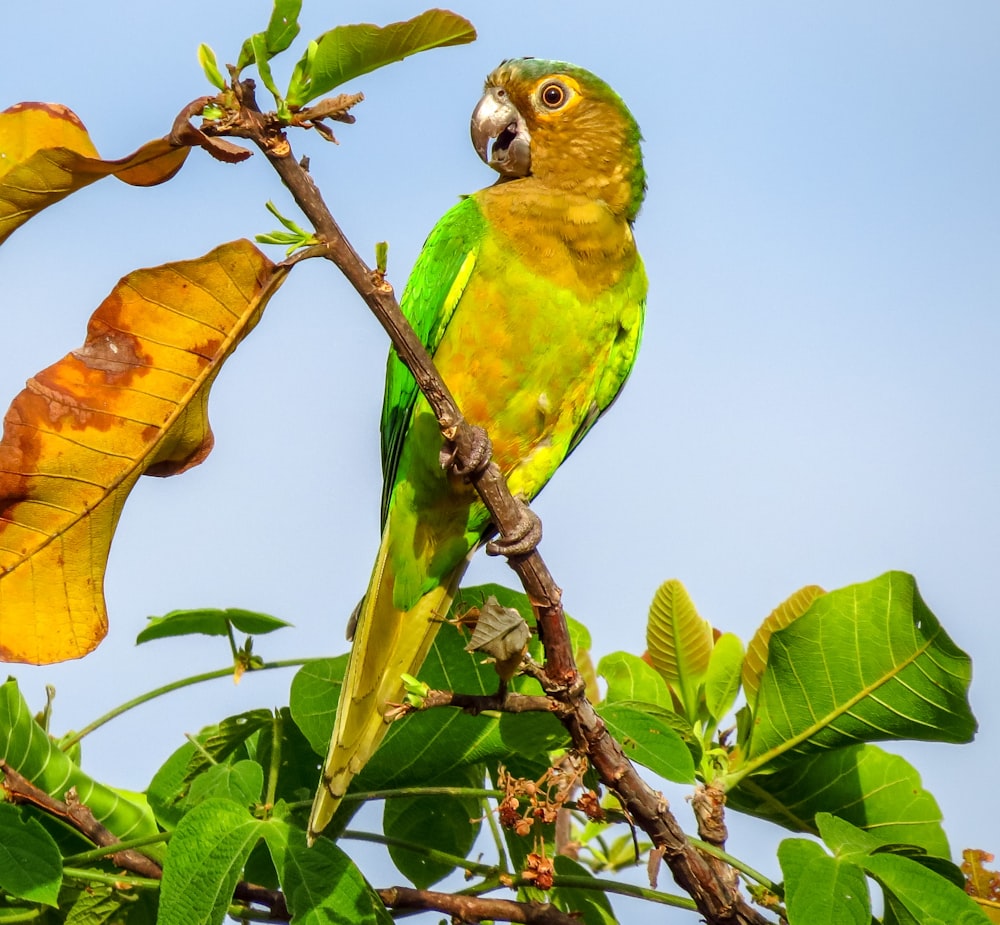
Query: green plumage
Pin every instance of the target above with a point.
(530, 295)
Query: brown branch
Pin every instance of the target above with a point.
(20, 790)
(713, 892)
(80, 817)
(475, 908)
(475, 704)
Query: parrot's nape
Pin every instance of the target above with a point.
(530, 295)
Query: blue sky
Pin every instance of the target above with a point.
(816, 400)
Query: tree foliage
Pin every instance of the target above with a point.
(783, 727)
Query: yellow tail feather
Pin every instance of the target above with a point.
(387, 643)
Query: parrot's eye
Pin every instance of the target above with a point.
(553, 95)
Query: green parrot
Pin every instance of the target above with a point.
(530, 296)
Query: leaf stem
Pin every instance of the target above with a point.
(732, 861)
(491, 870)
(71, 740)
(23, 915)
(96, 854)
(274, 766)
(117, 880)
(498, 839)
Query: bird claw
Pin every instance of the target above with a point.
(523, 539)
(479, 455)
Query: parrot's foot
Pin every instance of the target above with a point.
(523, 539)
(480, 453)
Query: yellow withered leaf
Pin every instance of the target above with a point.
(46, 154)
(132, 401)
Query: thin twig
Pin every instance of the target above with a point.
(465, 908)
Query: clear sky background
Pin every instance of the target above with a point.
(816, 400)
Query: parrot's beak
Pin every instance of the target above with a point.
(497, 117)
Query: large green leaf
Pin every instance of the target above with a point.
(868, 662)
(821, 890)
(925, 896)
(207, 852)
(648, 736)
(864, 785)
(30, 863)
(347, 52)
(26, 747)
(321, 884)
(449, 824)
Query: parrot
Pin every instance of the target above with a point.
(530, 296)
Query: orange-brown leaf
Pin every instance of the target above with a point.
(133, 400)
(46, 154)
(782, 615)
(981, 883)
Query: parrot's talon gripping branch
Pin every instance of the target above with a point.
(521, 541)
(468, 460)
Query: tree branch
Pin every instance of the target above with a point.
(78, 815)
(715, 894)
(464, 908)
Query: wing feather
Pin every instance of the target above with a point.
(434, 289)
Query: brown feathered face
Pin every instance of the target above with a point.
(562, 125)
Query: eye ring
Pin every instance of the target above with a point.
(553, 95)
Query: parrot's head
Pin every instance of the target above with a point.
(563, 126)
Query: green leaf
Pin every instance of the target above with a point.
(30, 862)
(782, 615)
(679, 643)
(868, 662)
(241, 783)
(649, 740)
(631, 678)
(347, 52)
(172, 782)
(26, 747)
(589, 906)
(846, 841)
(864, 785)
(98, 903)
(206, 58)
(722, 680)
(280, 33)
(821, 890)
(209, 622)
(321, 884)
(313, 697)
(924, 895)
(207, 852)
(448, 824)
(261, 56)
(283, 25)
(416, 748)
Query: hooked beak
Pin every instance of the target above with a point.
(496, 117)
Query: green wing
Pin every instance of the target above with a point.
(435, 286)
(621, 358)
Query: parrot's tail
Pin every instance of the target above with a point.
(387, 643)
